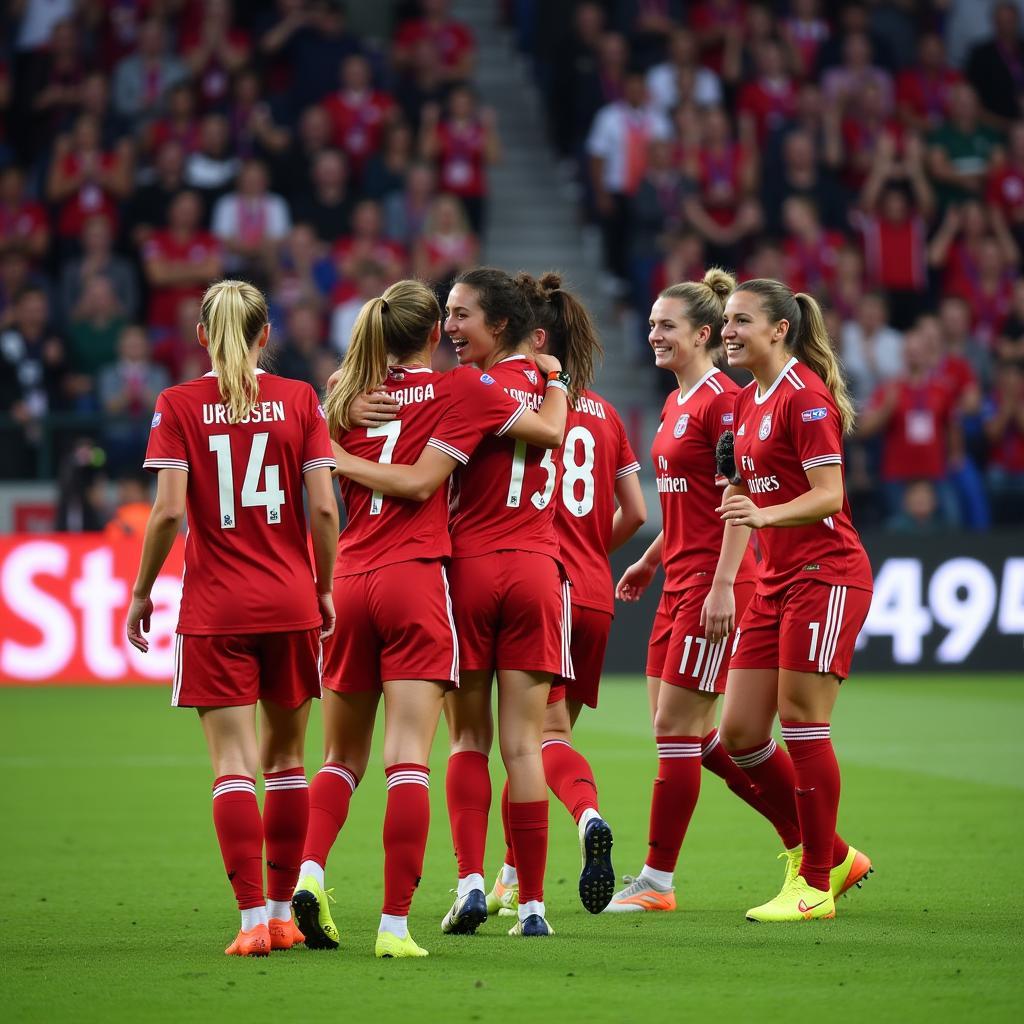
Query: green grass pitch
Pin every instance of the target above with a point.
(114, 905)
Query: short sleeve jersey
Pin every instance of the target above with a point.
(595, 456)
(689, 488)
(780, 435)
(382, 530)
(505, 495)
(247, 563)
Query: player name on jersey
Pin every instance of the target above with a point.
(262, 412)
(413, 395)
(530, 399)
(590, 407)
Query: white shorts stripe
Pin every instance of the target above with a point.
(715, 654)
(454, 671)
(568, 672)
(840, 614)
(176, 684)
(833, 625)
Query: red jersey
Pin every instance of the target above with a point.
(452, 39)
(793, 427)
(683, 453)
(359, 120)
(811, 266)
(504, 500)
(462, 158)
(382, 530)
(720, 181)
(1006, 190)
(926, 94)
(166, 246)
(894, 252)
(23, 220)
(89, 200)
(916, 437)
(595, 455)
(769, 103)
(247, 565)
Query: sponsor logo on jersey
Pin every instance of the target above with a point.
(727, 418)
(742, 431)
(157, 416)
(663, 463)
(681, 424)
(810, 415)
(531, 376)
(766, 427)
(320, 410)
(486, 378)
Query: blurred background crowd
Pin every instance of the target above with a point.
(870, 153)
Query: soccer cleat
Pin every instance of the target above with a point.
(313, 914)
(467, 914)
(597, 879)
(793, 859)
(531, 926)
(503, 899)
(640, 895)
(390, 947)
(852, 872)
(797, 902)
(254, 942)
(284, 934)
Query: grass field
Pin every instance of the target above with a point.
(115, 907)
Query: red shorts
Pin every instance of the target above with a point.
(512, 611)
(678, 651)
(238, 669)
(590, 629)
(810, 627)
(394, 622)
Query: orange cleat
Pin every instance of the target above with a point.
(641, 895)
(284, 934)
(254, 942)
(852, 872)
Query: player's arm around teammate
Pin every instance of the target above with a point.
(252, 614)
(795, 641)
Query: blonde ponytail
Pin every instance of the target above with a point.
(813, 346)
(394, 326)
(234, 314)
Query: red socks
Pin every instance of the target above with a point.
(285, 817)
(675, 796)
(528, 826)
(329, 797)
(569, 777)
(816, 794)
(771, 772)
(236, 817)
(718, 762)
(468, 791)
(510, 856)
(406, 821)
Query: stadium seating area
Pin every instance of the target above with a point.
(871, 154)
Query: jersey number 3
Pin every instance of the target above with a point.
(271, 497)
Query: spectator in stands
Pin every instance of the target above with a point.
(961, 150)
(327, 205)
(923, 88)
(97, 258)
(127, 390)
(214, 50)
(95, 323)
(599, 83)
(682, 75)
(718, 26)
(132, 508)
(85, 180)
(865, 127)
(805, 31)
(175, 348)
(1010, 343)
(143, 79)
(452, 39)
(1004, 429)
(55, 88)
(293, 175)
(95, 101)
(811, 251)
(16, 274)
(367, 241)
(849, 287)
(844, 86)
(462, 141)
(895, 206)
(447, 245)
(255, 131)
(803, 173)
(1005, 186)
(180, 261)
(148, 207)
(768, 100)
(251, 222)
(872, 351)
(387, 169)
(649, 25)
(406, 212)
(304, 273)
(81, 487)
(24, 225)
(371, 279)
(995, 67)
(178, 121)
(212, 167)
(919, 511)
(296, 356)
(421, 82)
(959, 342)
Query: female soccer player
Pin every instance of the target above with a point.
(688, 656)
(234, 448)
(509, 596)
(794, 642)
(599, 469)
(396, 634)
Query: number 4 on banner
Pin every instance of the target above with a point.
(897, 611)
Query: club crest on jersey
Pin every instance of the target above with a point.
(681, 424)
(531, 376)
(157, 417)
(486, 378)
(810, 415)
(766, 427)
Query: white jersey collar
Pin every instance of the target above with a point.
(761, 399)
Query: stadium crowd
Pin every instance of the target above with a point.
(871, 154)
(148, 147)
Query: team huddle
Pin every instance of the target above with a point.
(482, 505)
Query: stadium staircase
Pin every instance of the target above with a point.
(534, 222)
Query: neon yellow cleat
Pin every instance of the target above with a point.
(313, 914)
(852, 872)
(390, 947)
(797, 902)
(793, 858)
(503, 900)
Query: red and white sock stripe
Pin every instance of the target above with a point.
(832, 628)
(807, 731)
(285, 780)
(669, 750)
(709, 743)
(406, 776)
(233, 784)
(342, 772)
(549, 743)
(752, 758)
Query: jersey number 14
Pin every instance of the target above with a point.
(271, 497)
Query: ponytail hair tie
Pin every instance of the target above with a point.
(383, 305)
